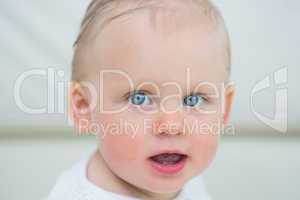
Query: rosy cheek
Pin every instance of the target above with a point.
(204, 148)
(204, 140)
(121, 148)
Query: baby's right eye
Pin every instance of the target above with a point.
(139, 98)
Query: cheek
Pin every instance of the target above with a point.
(205, 145)
(205, 124)
(119, 141)
(120, 148)
(204, 140)
(204, 150)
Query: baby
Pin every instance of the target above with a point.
(150, 79)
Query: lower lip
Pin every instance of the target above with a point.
(168, 169)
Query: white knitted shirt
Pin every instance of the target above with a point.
(73, 184)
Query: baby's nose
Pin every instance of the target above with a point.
(169, 123)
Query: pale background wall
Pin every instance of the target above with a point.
(39, 34)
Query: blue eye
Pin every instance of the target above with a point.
(139, 98)
(193, 100)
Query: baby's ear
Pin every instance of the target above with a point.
(79, 108)
(229, 95)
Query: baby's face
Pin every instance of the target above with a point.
(176, 108)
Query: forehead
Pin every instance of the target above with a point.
(160, 54)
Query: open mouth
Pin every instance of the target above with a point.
(168, 163)
(168, 158)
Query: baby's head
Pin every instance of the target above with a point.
(149, 81)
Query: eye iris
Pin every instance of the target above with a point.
(192, 100)
(138, 99)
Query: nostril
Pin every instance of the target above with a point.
(169, 133)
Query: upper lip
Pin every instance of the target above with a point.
(163, 151)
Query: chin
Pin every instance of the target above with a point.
(166, 184)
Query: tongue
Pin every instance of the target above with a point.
(168, 159)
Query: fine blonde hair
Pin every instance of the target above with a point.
(101, 12)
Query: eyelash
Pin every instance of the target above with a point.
(143, 92)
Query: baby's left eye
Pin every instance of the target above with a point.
(194, 100)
